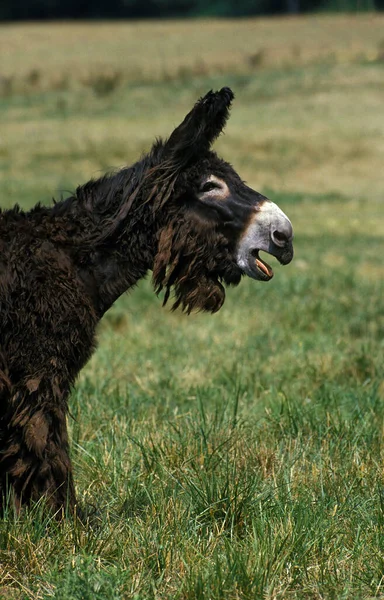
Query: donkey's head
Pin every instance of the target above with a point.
(214, 225)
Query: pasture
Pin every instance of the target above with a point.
(238, 455)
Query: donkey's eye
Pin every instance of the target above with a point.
(208, 186)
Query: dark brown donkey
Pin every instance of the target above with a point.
(181, 212)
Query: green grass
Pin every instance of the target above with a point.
(238, 455)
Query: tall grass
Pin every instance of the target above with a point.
(236, 455)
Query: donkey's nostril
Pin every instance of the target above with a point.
(279, 237)
(283, 235)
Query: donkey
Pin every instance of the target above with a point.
(182, 213)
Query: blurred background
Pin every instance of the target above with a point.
(85, 9)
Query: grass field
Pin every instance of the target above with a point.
(239, 455)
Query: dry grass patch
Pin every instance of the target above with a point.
(70, 54)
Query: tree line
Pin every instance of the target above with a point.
(141, 9)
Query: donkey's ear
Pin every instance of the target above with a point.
(200, 127)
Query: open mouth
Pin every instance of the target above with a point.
(270, 232)
(265, 271)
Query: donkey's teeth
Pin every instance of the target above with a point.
(264, 267)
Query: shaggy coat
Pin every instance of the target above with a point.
(181, 212)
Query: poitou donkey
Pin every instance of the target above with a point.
(180, 212)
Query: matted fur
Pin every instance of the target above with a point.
(192, 264)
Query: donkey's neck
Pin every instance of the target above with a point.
(120, 232)
(120, 262)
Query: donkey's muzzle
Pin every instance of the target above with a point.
(271, 231)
